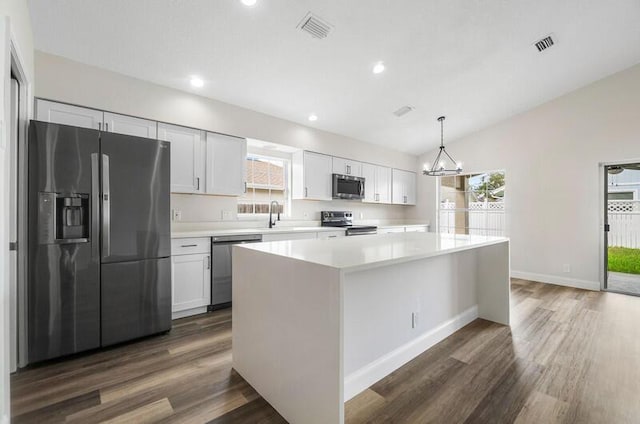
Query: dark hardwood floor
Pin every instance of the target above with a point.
(570, 356)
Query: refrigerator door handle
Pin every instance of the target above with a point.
(106, 209)
(95, 205)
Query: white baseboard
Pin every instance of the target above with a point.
(363, 378)
(560, 281)
(189, 312)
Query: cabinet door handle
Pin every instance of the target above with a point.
(106, 126)
(305, 192)
(348, 169)
(197, 183)
(99, 126)
(208, 262)
(245, 186)
(189, 245)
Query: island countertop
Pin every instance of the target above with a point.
(370, 251)
(356, 309)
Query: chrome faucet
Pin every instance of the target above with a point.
(271, 221)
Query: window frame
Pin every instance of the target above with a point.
(287, 188)
(439, 199)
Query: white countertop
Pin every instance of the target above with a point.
(403, 226)
(264, 230)
(234, 231)
(370, 251)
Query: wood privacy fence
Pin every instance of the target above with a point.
(484, 218)
(624, 223)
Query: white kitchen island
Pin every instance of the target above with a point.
(315, 322)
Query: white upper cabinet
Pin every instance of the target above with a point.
(377, 183)
(226, 160)
(312, 173)
(404, 187)
(347, 167)
(383, 184)
(188, 156)
(369, 174)
(60, 113)
(129, 125)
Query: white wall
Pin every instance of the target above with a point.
(551, 155)
(15, 27)
(68, 81)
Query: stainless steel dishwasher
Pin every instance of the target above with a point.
(221, 278)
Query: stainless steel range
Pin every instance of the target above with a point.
(344, 219)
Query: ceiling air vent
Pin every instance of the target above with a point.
(403, 111)
(544, 43)
(315, 26)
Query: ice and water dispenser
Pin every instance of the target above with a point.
(64, 218)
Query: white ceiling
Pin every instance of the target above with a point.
(471, 60)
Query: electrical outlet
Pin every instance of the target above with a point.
(177, 215)
(226, 215)
(305, 215)
(566, 267)
(414, 319)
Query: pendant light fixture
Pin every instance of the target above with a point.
(444, 163)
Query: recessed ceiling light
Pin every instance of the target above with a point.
(378, 68)
(313, 117)
(196, 82)
(249, 3)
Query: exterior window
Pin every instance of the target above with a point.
(472, 204)
(267, 179)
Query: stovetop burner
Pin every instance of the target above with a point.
(344, 219)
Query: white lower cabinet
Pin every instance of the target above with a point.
(190, 276)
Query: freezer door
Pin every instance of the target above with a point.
(135, 198)
(136, 299)
(63, 280)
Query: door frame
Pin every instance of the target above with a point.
(602, 200)
(25, 113)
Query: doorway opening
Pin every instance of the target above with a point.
(622, 228)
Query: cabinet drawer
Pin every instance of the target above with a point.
(186, 246)
(330, 234)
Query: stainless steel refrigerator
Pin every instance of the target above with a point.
(99, 239)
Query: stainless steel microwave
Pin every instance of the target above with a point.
(348, 187)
